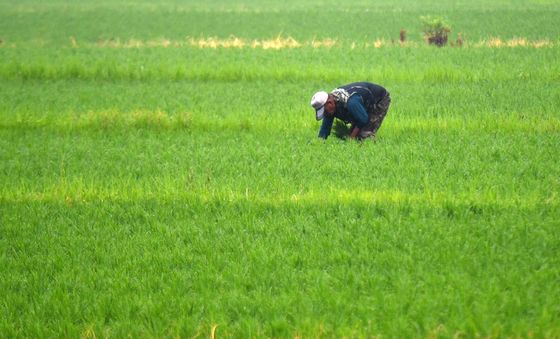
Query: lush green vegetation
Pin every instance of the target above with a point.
(153, 185)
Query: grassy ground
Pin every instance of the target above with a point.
(152, 185)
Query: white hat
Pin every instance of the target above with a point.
(318, 102)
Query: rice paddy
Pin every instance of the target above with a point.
(161, 175)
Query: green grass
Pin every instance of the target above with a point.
(181, 191)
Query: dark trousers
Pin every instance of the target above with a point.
(376, 117)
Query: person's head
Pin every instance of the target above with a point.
(324, 104)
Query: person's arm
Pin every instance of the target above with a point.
(354, 132)
(357, 110)
(326, 127)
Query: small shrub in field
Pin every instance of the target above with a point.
(436, 30)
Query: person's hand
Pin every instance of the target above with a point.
(354, 133)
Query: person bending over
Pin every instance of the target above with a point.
(361, 104)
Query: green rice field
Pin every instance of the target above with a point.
(161, 175)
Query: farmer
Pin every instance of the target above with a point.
(361, 104)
